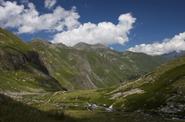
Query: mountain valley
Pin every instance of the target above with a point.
(85, 83)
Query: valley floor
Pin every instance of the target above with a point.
(80, 106)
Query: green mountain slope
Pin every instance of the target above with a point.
(93, 66)
(20, 67)
(42, 66)
(162, 91)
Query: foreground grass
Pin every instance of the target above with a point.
(12, 111)
(88, 116)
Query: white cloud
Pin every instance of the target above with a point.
(177, 43)
(49, 3)
(29, 20)
(69, 31)
(104, 32)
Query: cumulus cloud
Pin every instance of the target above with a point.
(64, 23)
(104, 32)
(177, 43)
(49, 3)
(29, 20)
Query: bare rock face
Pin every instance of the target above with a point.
(11, 59)
(33, 57)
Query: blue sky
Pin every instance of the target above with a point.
(156, 20)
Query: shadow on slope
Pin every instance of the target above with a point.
(13, 111)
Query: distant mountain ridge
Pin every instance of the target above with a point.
(87, 66)
(85, 46)
(174, 55)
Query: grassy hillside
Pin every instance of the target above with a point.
(20, 67)
(93, 66)
(162, 91)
